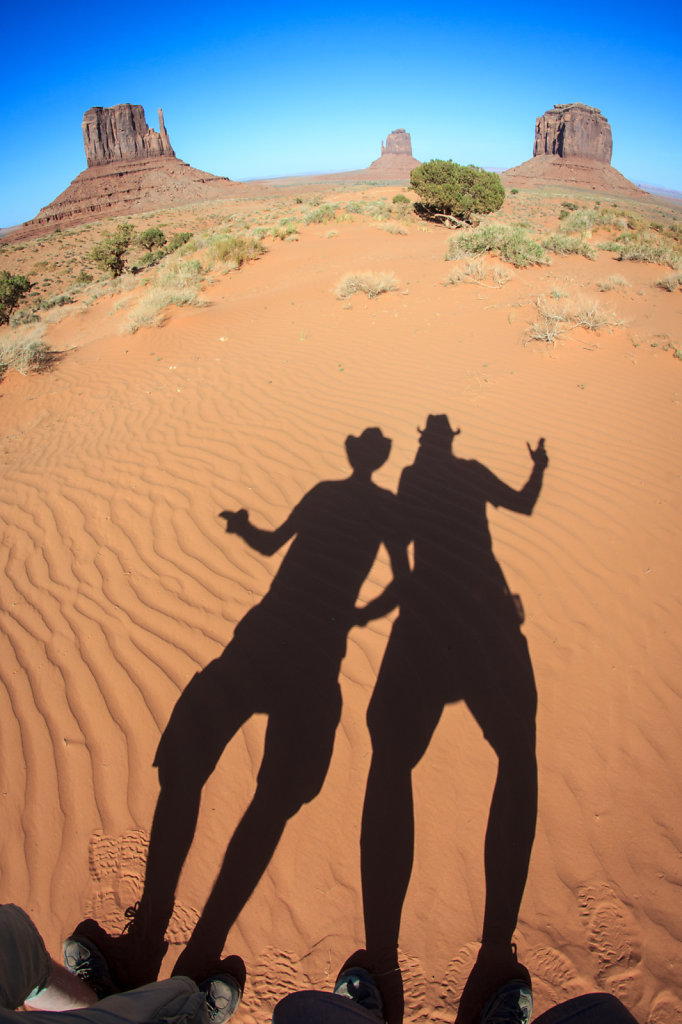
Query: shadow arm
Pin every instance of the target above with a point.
(266, 542)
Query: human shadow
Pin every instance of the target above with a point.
(457, 637)
(283, 661)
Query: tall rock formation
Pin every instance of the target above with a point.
(131, 168)
(572, 148)
(574, 130)
(122, 133)
(396, 158)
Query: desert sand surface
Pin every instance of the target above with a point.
(119, 583)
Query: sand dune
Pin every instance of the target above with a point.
(120, 583)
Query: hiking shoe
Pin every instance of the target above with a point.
(133, 959)
(358, 984)
(511, 1004)
(84, 959)
(223, 994)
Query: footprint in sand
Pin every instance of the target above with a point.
(117, 867)
(277, 973)
(555, 979)
(613, 937)
(414, 987)
(453, 982)
(665, 1009)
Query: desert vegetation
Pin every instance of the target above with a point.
(369, 283)
(455, 194)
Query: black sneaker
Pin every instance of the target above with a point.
(511, 1004)
(223, 994)
(84, 959)
(358, 984)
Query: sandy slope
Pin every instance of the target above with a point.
(119, 583)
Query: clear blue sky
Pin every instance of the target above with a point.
(296, 88)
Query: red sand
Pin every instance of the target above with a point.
(120, 583)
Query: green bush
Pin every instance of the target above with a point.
(321, 214)
(236, 249)
(457, 191)
(400, 198)
(83, 277)
(180, 238)
(511, 242)
(13, 287)
(152, 238)
(109, 253)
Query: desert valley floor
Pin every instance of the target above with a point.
(119, 583)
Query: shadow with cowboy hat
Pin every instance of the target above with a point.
(283, 661)
(457, 637)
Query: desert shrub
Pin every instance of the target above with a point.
(670, 283)
(579, 222)
(177, 285)
(109, 253)
(400, 198)
(320, 214)
(593, 317)
(178, 239)
(512, 243)
(565, 245)
(393, 229)
(285, 228)
(24, 316)
(83, 277)
(151, 238)
(56, 300)
(236, 249)
(514, 191)
(354, 207)
(612, 283)
(555, 320)
(456, 191)
(643, 247)
(569, 206)
(372, 284)
(25, 350)
(13, 287)
(476, 272)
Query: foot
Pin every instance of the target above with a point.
(133, 958)
(496, 968)
(83, 958)
(358, 984)
(223, 994)
(511, 1004)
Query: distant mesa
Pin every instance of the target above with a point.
(396, 155)
(131, 168)
(572, 147)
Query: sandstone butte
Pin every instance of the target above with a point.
(131, 168)
(572, 147)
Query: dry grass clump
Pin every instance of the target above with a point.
(566, 245)
(477, 272)
(177, 285)
(613, 283)
(24, 349)
(555, 320)
(235, 250)
(511, 242)
(670, 283)
(393, 229)
(372, 284)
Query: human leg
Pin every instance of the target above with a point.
(209, 712)
(298, 747)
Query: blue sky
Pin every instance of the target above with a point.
(302, 88)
